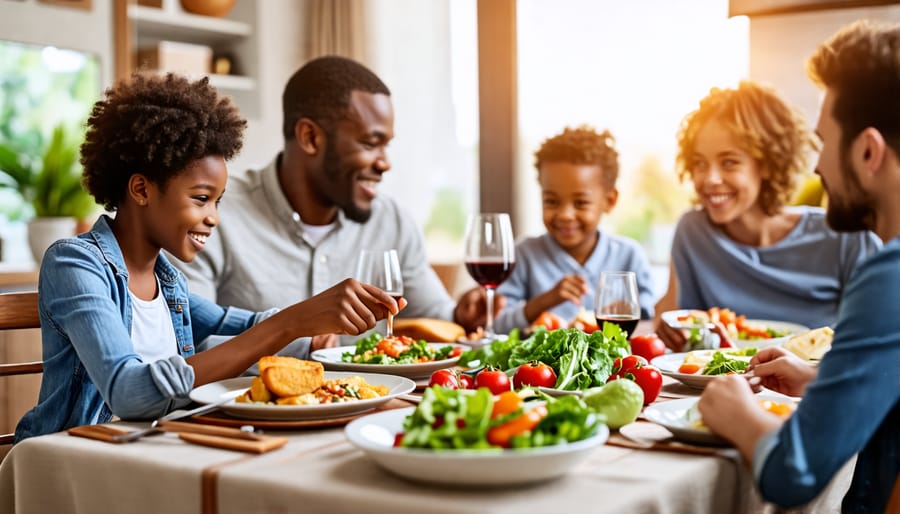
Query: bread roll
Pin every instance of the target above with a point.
(428, 329)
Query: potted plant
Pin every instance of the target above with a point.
(51, 185)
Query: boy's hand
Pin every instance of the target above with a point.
(570, 289)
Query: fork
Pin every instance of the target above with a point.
(177, 414)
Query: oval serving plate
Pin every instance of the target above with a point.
(331, 359)
(233, 387)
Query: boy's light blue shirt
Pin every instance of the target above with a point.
(91, 371)
(541, 263)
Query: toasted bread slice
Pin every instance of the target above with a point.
(293, 380)
(428, 329)
(276, 360)
(811, 345)
(258, 391)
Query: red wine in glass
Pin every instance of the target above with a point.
(489, 274)
(625, 322)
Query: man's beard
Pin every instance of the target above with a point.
(855, 211)
(344, 197)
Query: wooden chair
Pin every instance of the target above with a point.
(18, 311)
(893, 506)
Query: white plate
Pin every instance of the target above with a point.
(671, 319)
(374, 434)
(673, 415)
(331, 359)
(233, 387)
(669, 363)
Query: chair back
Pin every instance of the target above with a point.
(893, 506)
(18, 311)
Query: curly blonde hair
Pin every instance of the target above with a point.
(771, 131)
(582, 145)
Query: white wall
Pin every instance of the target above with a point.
(780, 45)
(89, 31)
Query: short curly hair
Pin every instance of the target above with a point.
(582, 145)
(321, 89)
(155, 126)
(859, 63)
(774, 134)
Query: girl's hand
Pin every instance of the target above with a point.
(349, 307)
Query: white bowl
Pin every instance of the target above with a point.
(374, 434)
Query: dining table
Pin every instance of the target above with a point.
(319, 470)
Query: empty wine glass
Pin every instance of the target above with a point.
(489, 256)
(617, 300)
(381, 268)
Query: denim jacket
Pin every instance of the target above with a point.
(91, 371)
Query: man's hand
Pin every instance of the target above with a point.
(782, 371)
(729, 408)
(323, 341)
(471, 310)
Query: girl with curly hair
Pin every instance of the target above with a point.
(743, 248)
(122, 335)
(557, 271)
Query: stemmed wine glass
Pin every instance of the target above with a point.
(617, 300)
(490, 256)
(381, 268)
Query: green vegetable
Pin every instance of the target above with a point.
(417, 350)
(722, 365)
(580, 360)
(619, 401)
(568, 419)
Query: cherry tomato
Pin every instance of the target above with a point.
(648, 346)
(456, 352)
(506, 402)
(501, 434)
(650, 381)
(549, 321)
(494, 379)
(445, 378)
(534, 373)
(624, 365)
(466, 381)
(398, 440)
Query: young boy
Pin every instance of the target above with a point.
(118, 323)
(558, 271)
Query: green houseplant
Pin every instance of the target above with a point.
(51, 185)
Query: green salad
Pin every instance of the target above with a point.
(580, 360)
(724, 362)
(377, 349)
(475, 419)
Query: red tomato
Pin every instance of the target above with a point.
(648, 346)
(650, 381)
(445, 378)
(457, 351)
(494, 379)
(466, 381)
(549, 321)
(534, 373)
(398, 440)
(624, 365)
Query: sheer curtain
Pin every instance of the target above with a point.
(336, 27)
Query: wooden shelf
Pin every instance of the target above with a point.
(155, 23)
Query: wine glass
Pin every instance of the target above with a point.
(617, 300)
(381, 268)
(490, 256)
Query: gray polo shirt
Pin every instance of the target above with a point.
(257, 257)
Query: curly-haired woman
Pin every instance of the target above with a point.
(557, 271)
(118, 322)
(743, 248)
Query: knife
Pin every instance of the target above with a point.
(176, 414)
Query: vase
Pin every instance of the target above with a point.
(42, 232)
(215, 8)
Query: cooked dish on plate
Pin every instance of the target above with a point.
(377, 349)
